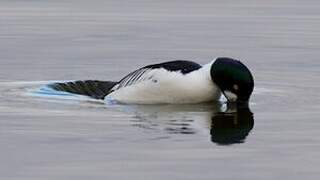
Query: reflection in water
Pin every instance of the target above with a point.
(226, 124)
(229, 128)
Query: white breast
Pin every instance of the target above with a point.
(162, 86)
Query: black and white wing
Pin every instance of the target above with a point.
(147, 72)
(92, 88)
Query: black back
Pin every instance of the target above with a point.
(178, 65)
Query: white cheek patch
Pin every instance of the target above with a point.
(231, 96)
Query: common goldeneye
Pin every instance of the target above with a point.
(174, 82)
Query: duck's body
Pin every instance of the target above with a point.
(174, 82)
(161, 85)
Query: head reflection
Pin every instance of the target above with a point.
(231, 126)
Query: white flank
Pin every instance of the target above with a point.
(163, 86)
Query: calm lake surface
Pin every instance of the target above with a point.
(61, 138)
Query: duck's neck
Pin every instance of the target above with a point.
(205, 70)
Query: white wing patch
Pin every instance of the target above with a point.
(135, 77)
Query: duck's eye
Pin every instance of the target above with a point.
(235, 87)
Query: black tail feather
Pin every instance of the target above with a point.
(93, 88)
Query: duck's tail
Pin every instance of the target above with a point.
(93, 88)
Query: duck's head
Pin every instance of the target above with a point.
(233, 78)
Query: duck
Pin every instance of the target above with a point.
(172, 82)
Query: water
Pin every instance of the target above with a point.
(79, 138)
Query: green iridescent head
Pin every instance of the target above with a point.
(233, 78)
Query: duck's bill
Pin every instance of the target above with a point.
(231, 97)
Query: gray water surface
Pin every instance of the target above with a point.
(61, 138)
